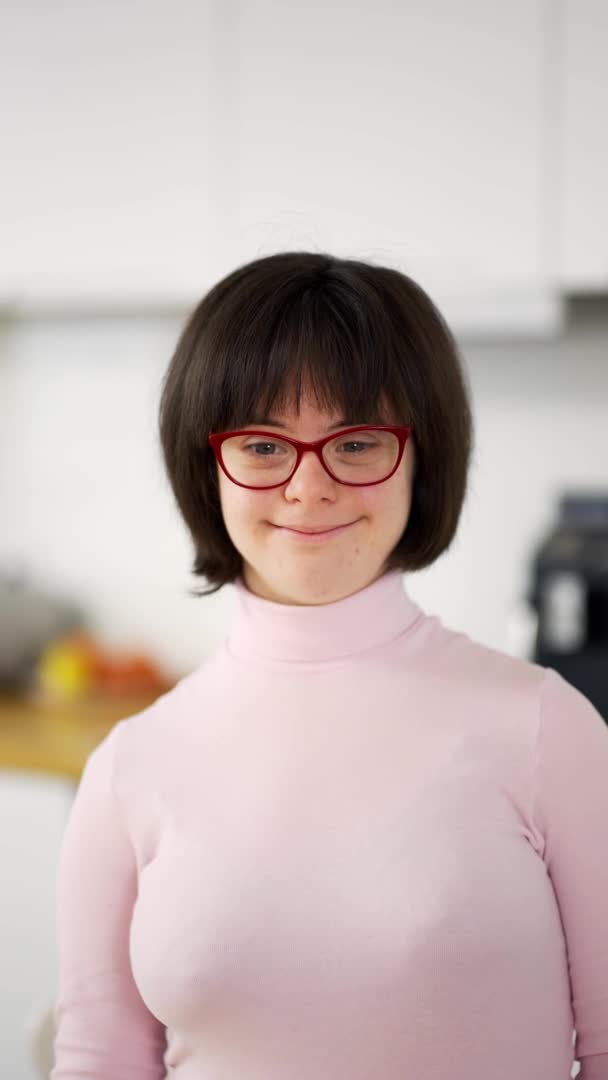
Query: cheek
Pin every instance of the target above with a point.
(242, 508)
(390, 499)
(231, 503)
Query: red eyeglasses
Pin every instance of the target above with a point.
(377, 455)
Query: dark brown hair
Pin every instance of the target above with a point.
(359, 335)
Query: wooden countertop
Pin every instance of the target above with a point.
(57, 739)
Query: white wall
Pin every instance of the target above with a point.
(86, 509)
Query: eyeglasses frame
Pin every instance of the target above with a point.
(216, 440)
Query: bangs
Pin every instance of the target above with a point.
(319, 345)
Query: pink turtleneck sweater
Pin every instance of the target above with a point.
(352, 845)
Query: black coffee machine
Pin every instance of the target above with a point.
(569, 594)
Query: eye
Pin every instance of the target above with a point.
(267, 444)
(357, 442)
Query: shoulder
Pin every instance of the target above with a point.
(463, 662)
(142, 744)
(142, 763)
(513, 685)
(569, 716)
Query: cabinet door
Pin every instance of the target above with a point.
(410, 132)
(107, 180)
(150, 148)
(583, 155)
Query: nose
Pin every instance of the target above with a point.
(311, 471)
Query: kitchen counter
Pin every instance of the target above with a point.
(57, 738)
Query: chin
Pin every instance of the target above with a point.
(305, 588)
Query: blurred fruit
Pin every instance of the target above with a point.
(75, 664)
(130, 671)
(64, 670)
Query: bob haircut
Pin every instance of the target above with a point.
(366, 339)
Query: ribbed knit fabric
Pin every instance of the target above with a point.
(353, 844)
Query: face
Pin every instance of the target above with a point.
(280, 565)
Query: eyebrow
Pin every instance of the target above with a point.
(270, 422)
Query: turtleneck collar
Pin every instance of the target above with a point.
(266, 630)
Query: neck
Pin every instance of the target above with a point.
(268, 630)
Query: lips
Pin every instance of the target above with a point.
(320, 529)
(313, 539)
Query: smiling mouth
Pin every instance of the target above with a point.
(316, 532)
(311, 532)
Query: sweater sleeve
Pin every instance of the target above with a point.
(572, 810)
(104, 1031)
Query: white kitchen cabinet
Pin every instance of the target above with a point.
(411, 131)
(109, 149)
(34, 810)
(582, 165)
(152, 147)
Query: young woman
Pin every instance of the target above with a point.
(353, 843)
